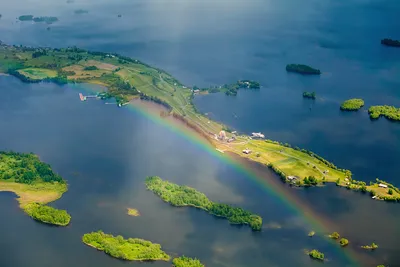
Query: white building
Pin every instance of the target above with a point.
(382, 185)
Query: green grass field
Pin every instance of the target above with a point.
(38, 73)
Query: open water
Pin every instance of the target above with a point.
(105, 152)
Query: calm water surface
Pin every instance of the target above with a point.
(105, 152)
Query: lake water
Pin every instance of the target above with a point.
(105, 152)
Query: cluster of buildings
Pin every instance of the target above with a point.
(223, 137)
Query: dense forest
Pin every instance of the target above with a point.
(132, 249)
(178, 195)
(186, 262)
(389, 112)
(26, 168)
(352, 104)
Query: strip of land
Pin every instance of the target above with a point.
(35, 184)
(181, 196)
(131, 249)
(128, 78)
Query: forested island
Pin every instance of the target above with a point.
(181, 196)
(48, 20)
(126, 79)
(186, 262)
(302, 69)
(81, 11)
(389, 112)
(132, 249)
(311, 95)
(315, 254)
(35, 184)
(352, 104)
(390, 42)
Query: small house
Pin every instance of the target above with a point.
(382, 185)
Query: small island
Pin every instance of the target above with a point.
(132, 249)
(26, 18)
(315, 254)
(302, 69)
(390, 42)
(186, 262)
(334, 235)
(133, 212)
(311, 234)
(352, 104)
(181, 196)
(390, 112)
(373, 246)
(310, 95)
(81, 11)
(35, 184)
(343, 242)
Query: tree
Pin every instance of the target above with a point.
(390, 191)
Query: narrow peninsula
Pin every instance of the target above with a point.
(35, 184)
(181, 196)
(132, 249)
(302, 69)
(186, 262)
(353, 104)
(127, 79)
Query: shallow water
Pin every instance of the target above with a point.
(105, 152)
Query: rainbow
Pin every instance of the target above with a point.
(290, 201)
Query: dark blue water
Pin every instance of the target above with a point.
(105, 152)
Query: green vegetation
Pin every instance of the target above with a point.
(311, 233)
(334, 235)
(310, 95)
(302, 69)
(35, 184)
(47, 214)
(343, 242)
(390, 42)
(181, 196)
(133, 212)
(373, 246)
(390, 112)
(90, 68)
(315, 254)
(230, 89)
(381, 265)
(186, 262)
(352, 104)
(26, 18)
(132, 249)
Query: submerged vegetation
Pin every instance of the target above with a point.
(35, 183)
(390, 42)
(389, 112)
(373, 246)
(180, 196)
(132, 249)
(352, 104)
(186, 262)
(315, 254)
(302, 69)
(310, 95)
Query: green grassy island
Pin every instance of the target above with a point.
(181, 196)
(302, 69)
(315, 254)
(311, 234)
(186, 262)
(334, 235)
(343, 242)
(390, 42)
(35, 184)
(310, 95)
(373, 246)
(389, 112)
(127, 79)
(352, 104)
(132, 249)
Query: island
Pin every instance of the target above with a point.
(315, 254)
(186, 262)
(132, 249)
(48, 20)
(390, 112)
(127, 79)
(81, 11)
(352, 104)
(390, 42)
(373, 246)
(310, 95)
(302, 69)
(181, 196)
(26, 18)
(35, 184)
(133, 212)
(343, 242)
(334, 235)
(311, 234)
